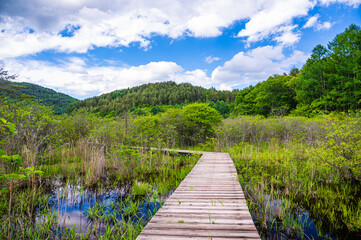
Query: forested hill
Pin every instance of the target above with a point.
(329, 81)
(15, 91)
(151, 94)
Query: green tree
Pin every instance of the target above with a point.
(198, 123)
(331, 78)
(294, 71)
(147, 130)
(243, 104)
(35, 129)
(151, 94)
(344, 70)
(222, 107)
(20, 91)
(313, 84)
(272, 97)
(156, 109)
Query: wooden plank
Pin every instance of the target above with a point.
(158, 237)
(208, 204)
(218, 211)
(202, 226)
(210, 194)
(209, 208)
(168, 220)
(202, 233)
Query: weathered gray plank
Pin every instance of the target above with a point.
(158, 237)
(202, 226)
(209, 203)
(202, 233)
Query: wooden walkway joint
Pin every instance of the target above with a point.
(208, 204)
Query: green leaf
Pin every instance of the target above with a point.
(31, 169)
(17, 159)
(11, 127)
(6, 158)
(4, 190)
(40, 173)
(12, 176)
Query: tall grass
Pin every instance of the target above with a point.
(287, 172)
(91, 165)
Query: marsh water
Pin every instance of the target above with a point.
(299, 223)
(72, 204)
(75, 206)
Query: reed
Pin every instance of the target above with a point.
(284, 183)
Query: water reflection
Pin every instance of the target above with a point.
(287, 221)
(72, 202)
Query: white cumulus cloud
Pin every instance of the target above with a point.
(76, 78)
(253, 66)
(316, 24)
(211, 59)
(275, 18)
(354, 3)
(30, 27)
(311, 21)
(324, 26)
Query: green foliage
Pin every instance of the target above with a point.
(7, 125)
(283, 181)
(272, 97)
(13, 159)
(313, 85)
(294, 71)
(340, 150)
(20, 91)
(222, 107)
(243, 104)
(151, 94)
(35, 128)
(105, 131)
(141, 188)
(199, 122)
(194, 123)
(331, 79)
(11, 164)
(157, 109)
(78, 126)
(147, 130)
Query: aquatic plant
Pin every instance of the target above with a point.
(286, 187)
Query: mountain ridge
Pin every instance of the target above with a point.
(151, 94)
(17, 91)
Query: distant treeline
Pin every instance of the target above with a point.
(18, 91)
(151, 94)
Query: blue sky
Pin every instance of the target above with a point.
(86, 47)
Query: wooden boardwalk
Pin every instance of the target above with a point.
(208, 204)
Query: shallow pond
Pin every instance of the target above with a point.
(294, 223)
(83, 209)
